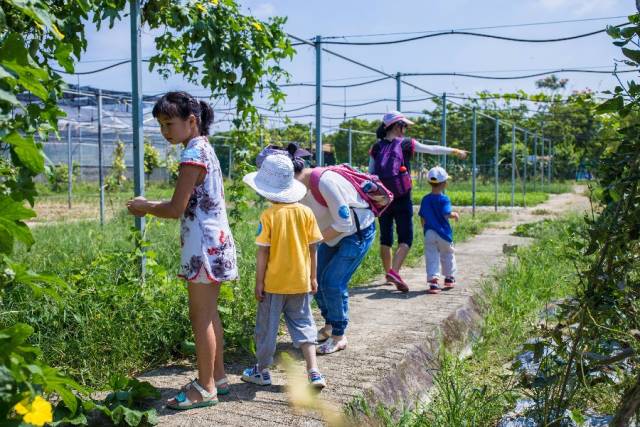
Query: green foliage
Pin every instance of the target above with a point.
(151, 158)
(172, 165)
(58, 176)
(117, 178)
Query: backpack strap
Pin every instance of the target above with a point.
(314, 184)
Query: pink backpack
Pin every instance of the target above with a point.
(369, 187)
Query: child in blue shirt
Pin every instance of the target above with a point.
(435, 211)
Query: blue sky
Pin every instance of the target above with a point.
(443, 54)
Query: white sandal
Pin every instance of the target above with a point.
(330, 346)
(183, 402)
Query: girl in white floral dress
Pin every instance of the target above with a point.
(208, 250)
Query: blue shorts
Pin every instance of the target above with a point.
(400, 212)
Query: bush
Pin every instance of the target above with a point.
(58, 176)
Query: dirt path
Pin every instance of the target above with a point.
(393, 338)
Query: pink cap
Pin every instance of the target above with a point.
(393, 117)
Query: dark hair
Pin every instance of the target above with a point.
(382, 131)
(181, 104)
(298, 162)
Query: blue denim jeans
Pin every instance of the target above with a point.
(336, 265)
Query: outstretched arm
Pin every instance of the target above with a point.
(187, 179)
(439, 150)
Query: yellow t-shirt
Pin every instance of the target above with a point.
(288, 229)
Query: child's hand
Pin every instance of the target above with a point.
(137, 206)
(260, 291)
(314, 286)
(455, 215)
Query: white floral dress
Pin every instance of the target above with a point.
(208, 250)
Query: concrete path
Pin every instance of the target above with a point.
(393, 339)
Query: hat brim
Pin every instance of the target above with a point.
(399, 119)
(294, 193)
(440, 182)
(301, 152)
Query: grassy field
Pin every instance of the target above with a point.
(477, 391)
(108, 321)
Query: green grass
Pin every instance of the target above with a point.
(109, 322)
(479, 390)
(483, 198)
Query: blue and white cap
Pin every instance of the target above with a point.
(437, 174)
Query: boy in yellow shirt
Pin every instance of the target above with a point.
(285, 268)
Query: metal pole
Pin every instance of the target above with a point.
(524, 173)
(549, 165)
(100, 159)
(513, 166)
(350, 140)
(443, 128)
(69, 166)
(496, 160)
(261, 131)
(319, 153)
(474, 160)
(542, 164)
(398, 92)
(535, 160)
(310, 136)
(136, 103)
(230, 161)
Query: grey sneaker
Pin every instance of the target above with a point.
(316, 379)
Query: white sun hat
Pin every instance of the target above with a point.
(437, 175)
(274, 180)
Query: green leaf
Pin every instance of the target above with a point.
(27, 151)
(631, 54)
(15, 57)
(8, 97)
(610, 105)
(38, 14)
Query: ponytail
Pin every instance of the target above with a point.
(381, 132)
(206, 118)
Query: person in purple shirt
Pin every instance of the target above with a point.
(435, 211)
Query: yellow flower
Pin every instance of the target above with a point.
(36, 413)
(215, 2)
(201, 8)
(257, 26)
(57, 32)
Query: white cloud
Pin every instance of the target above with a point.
(264, 11)
(579, 7)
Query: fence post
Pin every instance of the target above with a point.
(100, 174)
(319, 153)
(136, 103)
(398, 92)
(474, 160)
(513, 165)
(524, 173)
(496, 164)
(535, 160)
(350, 139)
(69, 165)
(261, 120)
(542, 164)
(550, 160)
(443, 128)
(230, 160)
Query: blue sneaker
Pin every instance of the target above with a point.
(316, 379)
(254, 376)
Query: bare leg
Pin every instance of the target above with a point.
(218, 367)
(202, 305)
(385, 255)
(400, 256)
(309, 353)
